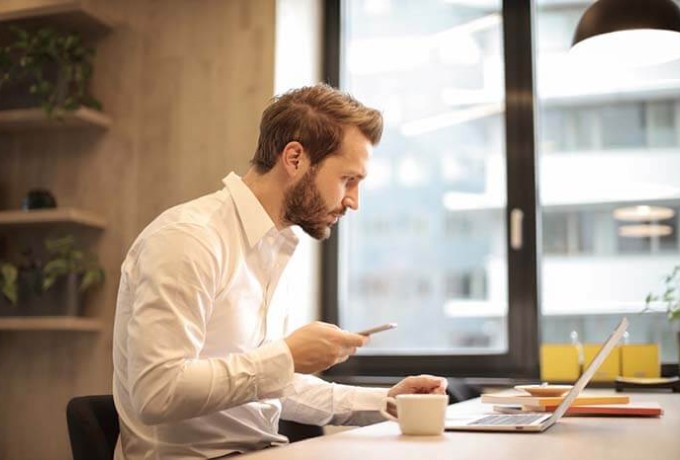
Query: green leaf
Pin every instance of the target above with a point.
(91, 278)
(8, 277)
(70, 104)
(649, 299)
(670, 295)
(9, 273)
(60, 245)
(674, 315)
(48, 281)
(10, 291)
(56, 267)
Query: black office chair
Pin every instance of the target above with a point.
(459, 390)
(92, 427)
(295, 431)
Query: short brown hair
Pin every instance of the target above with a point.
(316, 116)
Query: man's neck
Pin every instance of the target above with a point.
(269, 190)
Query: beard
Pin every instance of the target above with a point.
(304, 206)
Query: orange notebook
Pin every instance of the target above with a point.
(522, 399)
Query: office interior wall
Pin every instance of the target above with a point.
(185, 83)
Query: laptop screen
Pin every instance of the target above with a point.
(581, 383)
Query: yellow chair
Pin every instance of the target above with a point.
(640, 360)
(610, 368)
(559, 362)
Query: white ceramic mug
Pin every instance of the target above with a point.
(419, 414)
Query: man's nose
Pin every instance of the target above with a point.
(351, 201)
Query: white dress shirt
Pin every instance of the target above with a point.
(200, 366)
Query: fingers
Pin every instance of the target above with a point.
(441, 384)
(344, 353)
(420, 384)
(354, 340)
(340, 359)
(318, 346)
(346, 338)
(347, 346)
(430, 384)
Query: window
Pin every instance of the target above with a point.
(607, 139)
(430, 248)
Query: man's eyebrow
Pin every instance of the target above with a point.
(358, 174)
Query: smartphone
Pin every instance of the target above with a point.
(374, 330)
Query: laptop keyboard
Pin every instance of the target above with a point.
(514, 419)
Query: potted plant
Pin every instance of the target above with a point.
(8, 283)
(53, 286)
(48, 68)
(670, 298)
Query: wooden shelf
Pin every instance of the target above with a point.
(21, 119)
(52, 216)
(49, 323)
(73, 15)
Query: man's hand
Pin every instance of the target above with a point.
(423, 384)
(318, 346)
(419, 384)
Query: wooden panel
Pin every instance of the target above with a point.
(185, 87)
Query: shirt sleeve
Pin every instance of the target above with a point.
(314, 401)
(172, 283)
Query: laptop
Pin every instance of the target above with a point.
(535, 421)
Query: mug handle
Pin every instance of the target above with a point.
(383, 410)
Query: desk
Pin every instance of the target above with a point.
(581, 438)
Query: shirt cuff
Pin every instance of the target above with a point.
(275, 369)
(370, 399)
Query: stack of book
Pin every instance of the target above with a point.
(585, 404)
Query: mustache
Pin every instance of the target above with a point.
(339, 213)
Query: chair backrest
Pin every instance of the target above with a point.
(92, 427)
(296, 431)
(459, 390)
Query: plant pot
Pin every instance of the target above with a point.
(17, 94)
(7, 308)
(62, 299)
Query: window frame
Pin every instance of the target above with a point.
(521, 360)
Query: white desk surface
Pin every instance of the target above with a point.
(581, 438)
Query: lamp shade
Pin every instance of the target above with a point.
(634, 32)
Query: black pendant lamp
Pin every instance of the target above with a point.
(629, 32)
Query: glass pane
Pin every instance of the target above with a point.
(427, 247)
(609, 140)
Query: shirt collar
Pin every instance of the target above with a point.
(254, 218)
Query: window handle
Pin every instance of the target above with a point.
(516, 235)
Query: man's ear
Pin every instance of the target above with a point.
(294, 158)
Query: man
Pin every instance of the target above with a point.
(202, 365)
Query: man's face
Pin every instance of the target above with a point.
(323, 194)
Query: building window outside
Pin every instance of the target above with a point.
(428, 247)
(430, 229)
(607, 139)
